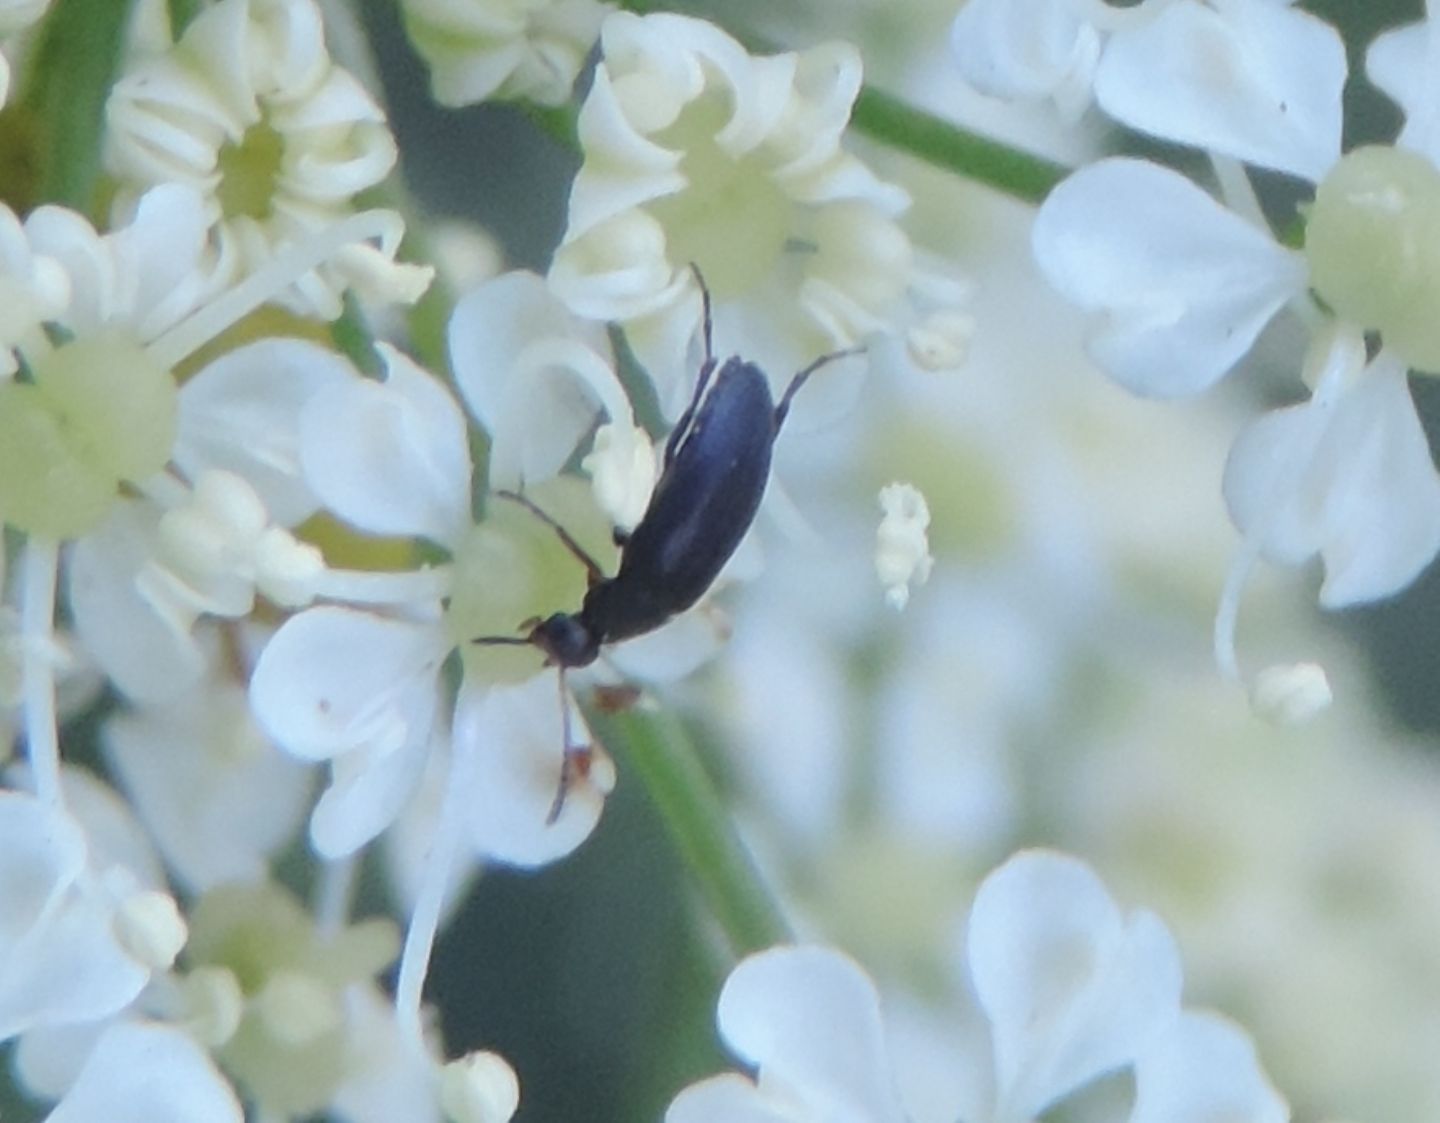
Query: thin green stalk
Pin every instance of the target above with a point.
(656, 748)
(901, 126)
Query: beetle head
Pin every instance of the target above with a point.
(566, 640)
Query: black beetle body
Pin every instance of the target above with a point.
(716, 467)
(703, 504)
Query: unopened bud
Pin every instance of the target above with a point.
(150, 928)
(479, 1088)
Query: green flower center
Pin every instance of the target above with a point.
(732, 219)
(1373, 241)
(248, 172)
(97, 412)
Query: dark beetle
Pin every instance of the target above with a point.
(716, 466)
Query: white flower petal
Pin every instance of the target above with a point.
(368, 788)
(333, 680)
(145, 1073)
(1025, 49)
(42, 852)
(808, 1019)
(241, 413)
(513, 738)
(1181, 286)
(676, 649)
(69, 967)
(1403, 62)
(1257, 81)
(1073, 988)
(391, 457)
(1204, 1070)
(535, 414)
(146, 655)
(49, 1059)
(1367, 499)
(727, 1098)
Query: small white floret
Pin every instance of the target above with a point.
(902, 546)
(480, 1087)
(1291, 693)
(621, 464)
(150, 928)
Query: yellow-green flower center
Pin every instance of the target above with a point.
(97, 412)
(732, 219)
(512, 568)
(1373, 241)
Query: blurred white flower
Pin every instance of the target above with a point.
(1256, 81)
(529, 50)
(248, 109)
(67, 881)
(1180, 287)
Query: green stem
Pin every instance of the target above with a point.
(655, 747)
(1018, 173)
(69, 80)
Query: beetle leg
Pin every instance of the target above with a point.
(783, 409)
(593, 572)
(707, 369)
(574, 761)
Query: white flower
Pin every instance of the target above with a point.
(248, 109)
(697, 153)
(1072, 989)
(140, 583)
(524, 49)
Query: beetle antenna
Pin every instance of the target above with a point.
(783, 409)
(592, 568)
(497, 641)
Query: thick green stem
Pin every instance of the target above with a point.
(655, 748)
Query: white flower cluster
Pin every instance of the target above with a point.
(297, 590)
